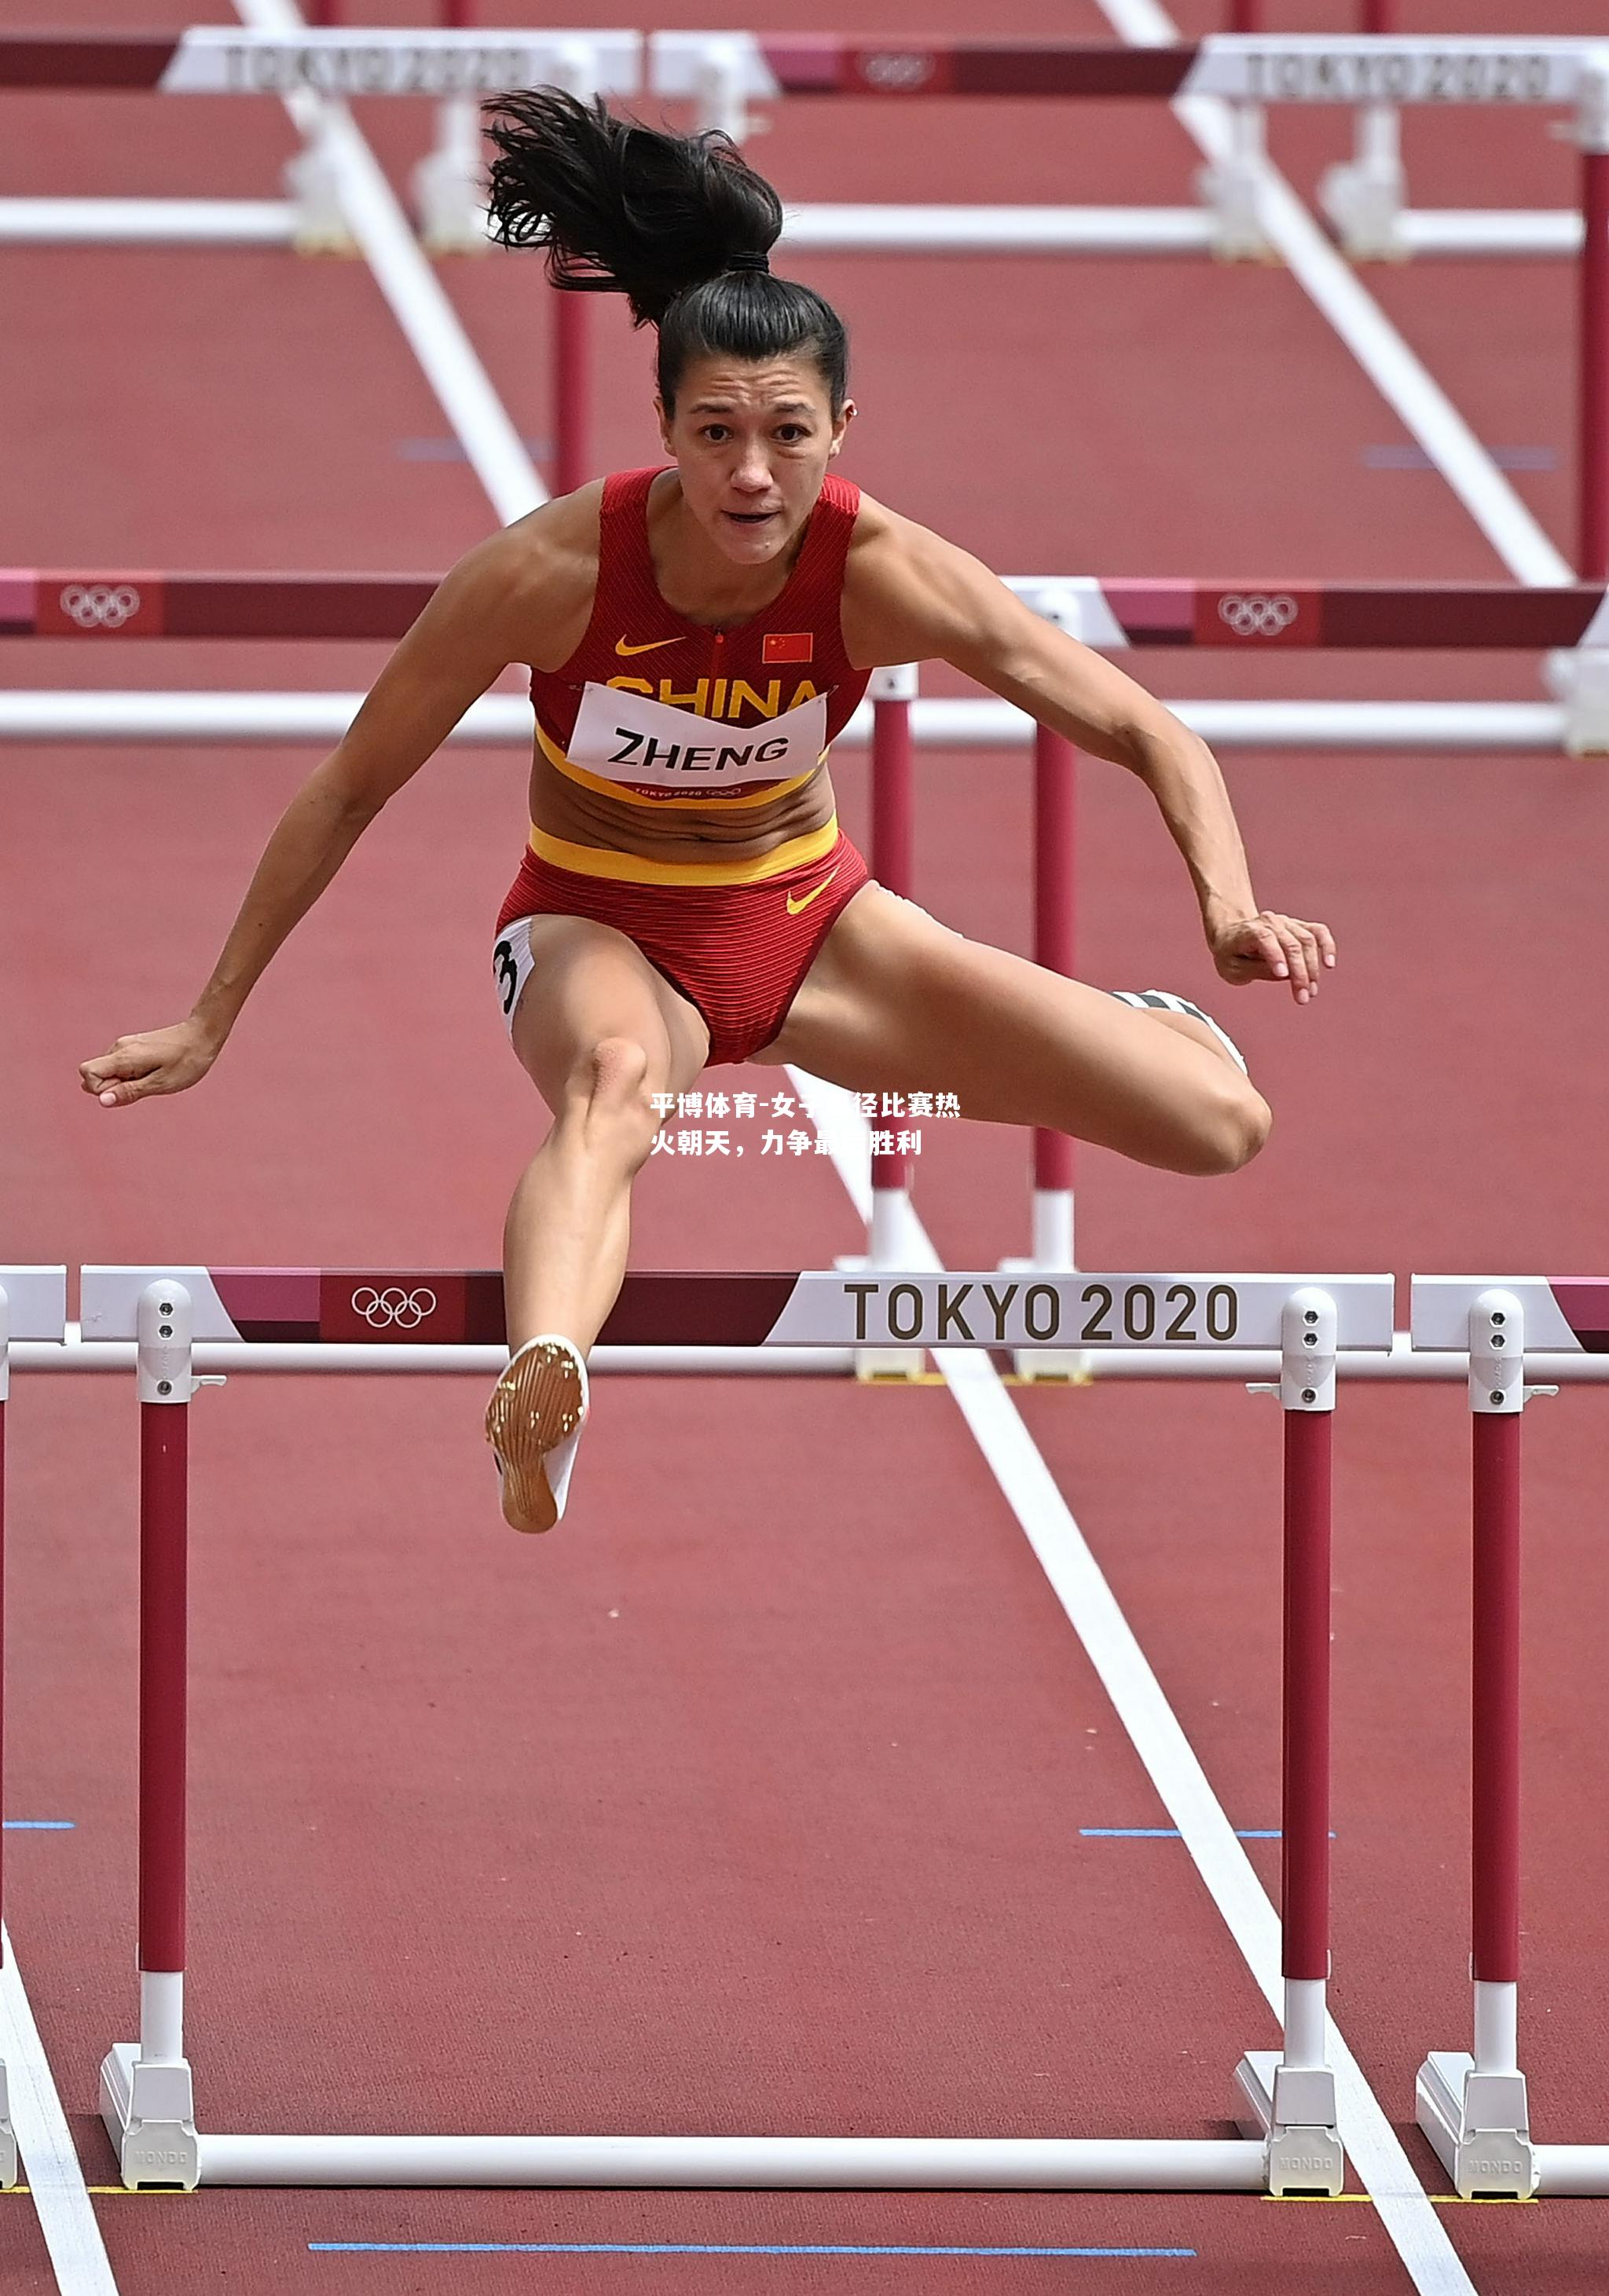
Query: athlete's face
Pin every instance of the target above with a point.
(752, 440)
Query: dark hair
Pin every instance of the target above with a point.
(681, 225)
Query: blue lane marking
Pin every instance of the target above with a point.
(1170, 1834)
(684, 2248)
(40, 1825)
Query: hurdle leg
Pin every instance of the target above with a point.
(1289, 2096)
(1475, 2108)
(146, 2098)
(1592, 413)
(892, 859)
(1055, 867)
(8, 2142)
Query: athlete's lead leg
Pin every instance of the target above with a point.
(896, 1001)
(599, 1032)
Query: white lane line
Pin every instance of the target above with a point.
(434, 331)
(1154, 1729)
(61, 2198)
(1402, 379)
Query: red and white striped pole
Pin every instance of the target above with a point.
(1056, 764)
(893, 692)
(8, 2142)
(575, 71)
(1475, 2108)
(1292, 2096)
(1308, 1394)
(1497, 1401)
(5, 1381)
(572, 391)
(1592, 458)
(166, 1385)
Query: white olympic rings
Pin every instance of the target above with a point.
(1251, 616)
(403, 1310)
(898, 71)
(97, 606)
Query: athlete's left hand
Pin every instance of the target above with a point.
(1269, 946)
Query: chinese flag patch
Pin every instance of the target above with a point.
(788, 645)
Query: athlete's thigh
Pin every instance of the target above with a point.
(897, 1001)
(589, 983)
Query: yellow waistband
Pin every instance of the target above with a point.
(557, 758)
(635, 869)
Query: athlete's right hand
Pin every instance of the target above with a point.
(161, 1061)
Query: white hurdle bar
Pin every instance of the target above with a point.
(823, 228)
(230, 720)
(33, 1312)
(1283, 2100)
(1097, 1366)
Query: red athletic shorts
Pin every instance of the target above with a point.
(736, 952)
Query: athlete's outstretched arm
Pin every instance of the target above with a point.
(458, 647)
(911, 596)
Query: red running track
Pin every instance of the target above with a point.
(792, 1837)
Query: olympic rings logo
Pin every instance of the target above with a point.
(402, 1311)
(1253, 617)
(97, 606)
(897, 72)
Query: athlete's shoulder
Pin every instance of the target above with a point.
(534, 579)
(908, 591)
(553, 547)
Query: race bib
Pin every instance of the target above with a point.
(626, 737)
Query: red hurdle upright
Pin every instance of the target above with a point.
(8, 2143)
(1592, 405)
(1056, 764)
(893, 692)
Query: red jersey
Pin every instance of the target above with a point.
(734, 683)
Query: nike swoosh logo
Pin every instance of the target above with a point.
(814, 894)
(652, 646)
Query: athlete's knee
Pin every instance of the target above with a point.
(1229, 1125)
(611, 1088)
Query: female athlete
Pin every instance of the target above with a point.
(696, 637)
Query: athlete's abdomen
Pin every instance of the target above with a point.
(741, 827)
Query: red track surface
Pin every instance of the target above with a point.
(753, 1798)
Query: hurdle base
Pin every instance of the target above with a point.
(1047, 1366)
(742, 2163)
(149, 2110)
(898, 1366)
(8, 2139)
(1293, 2109)
(1480, 2124)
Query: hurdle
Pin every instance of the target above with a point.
(1473, 2105)
(723, 72)
(1284, 2100)
(33, 1311)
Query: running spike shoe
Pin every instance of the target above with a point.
(533, 1424)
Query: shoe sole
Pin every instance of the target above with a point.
(534, 1405)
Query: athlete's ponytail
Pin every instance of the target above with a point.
(681, 225)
